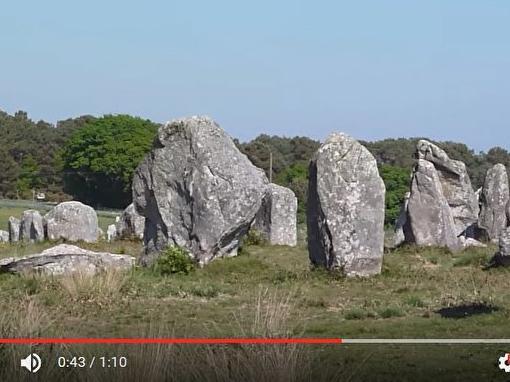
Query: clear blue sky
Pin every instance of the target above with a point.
(374, 69)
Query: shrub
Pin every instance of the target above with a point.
(254, 237)
(391, 311)
(174, 260)
(357, 314)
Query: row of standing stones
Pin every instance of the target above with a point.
(442, 208)
(196, 190)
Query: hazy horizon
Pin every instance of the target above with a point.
(373, 70)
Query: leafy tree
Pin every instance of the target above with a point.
(295, 177)
(396, 180)
(28, 178)
(100, 158)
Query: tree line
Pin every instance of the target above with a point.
(93, 159)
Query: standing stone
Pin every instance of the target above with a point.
(31, 227)
(494, 199)
(502, 257)
(430, 216)
(130, 224)
(456, 186)
(345, 208)
(4, 236)
(504, 243)
(111, 233)
(197, 191)
(72, 221)
(14, 228)
(402, 230)
(277, 218)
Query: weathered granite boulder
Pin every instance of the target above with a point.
(456, 186)
(72, 221)
(130, 224)
(494, 200)
(345, 208)
(66, 259)
(277, 217)
(31, 226)
(429, 214)
(197, 191)
(4, 236)
(14, 228)
(111, 233)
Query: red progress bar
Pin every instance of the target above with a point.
(204, 341)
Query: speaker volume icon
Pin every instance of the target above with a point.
(32, 363)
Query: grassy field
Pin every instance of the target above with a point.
(271, 291)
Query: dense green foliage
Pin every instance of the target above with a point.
(30, 155)
(396, 180)
(290, 162)
(100, 158)
(93, 159)
(174, 260)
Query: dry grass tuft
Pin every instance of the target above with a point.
(84, 287)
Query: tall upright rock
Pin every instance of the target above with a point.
(456, 186)
(430, 217)
(277, 217)
(345, 208)
(494, 200)
(130, 224)
(31, 227)
(196, 190)
(402, 229)
(14, 229)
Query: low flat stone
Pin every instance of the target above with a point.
(470, 242)
(67, 259)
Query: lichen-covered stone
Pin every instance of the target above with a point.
(429, 214)
(14, 229)
(4, 236)
(196, 190)
(345, 208)
(31, 226)
(494, 200)
(130, 224)
(277, 217)
(456, 186)
(72, 221)
(67, 259)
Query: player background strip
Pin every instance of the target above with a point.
(201, 341)
(425, 341)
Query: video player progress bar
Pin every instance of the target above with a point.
(211, 341)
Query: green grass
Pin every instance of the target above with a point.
(221, 300)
